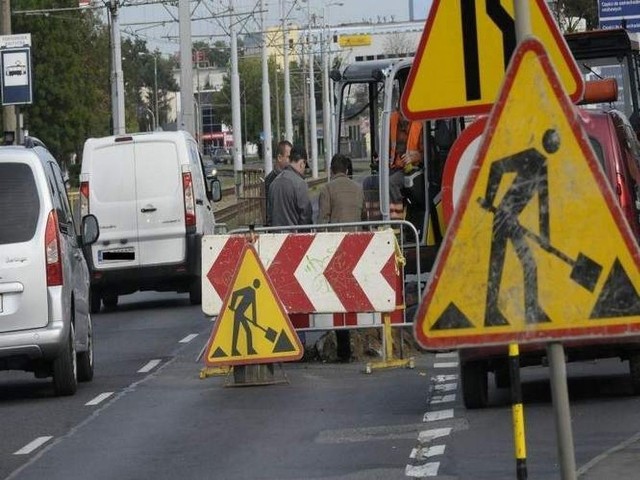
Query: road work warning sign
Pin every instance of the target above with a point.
(253, 326)
(538, 247)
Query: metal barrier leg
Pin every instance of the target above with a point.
(387, 348)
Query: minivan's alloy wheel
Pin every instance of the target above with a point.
(65, 368)
(85, 359)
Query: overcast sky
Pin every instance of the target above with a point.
(154, 23)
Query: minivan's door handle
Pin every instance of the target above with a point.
(148, 209)
(199, 202)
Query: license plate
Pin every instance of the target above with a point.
(117, 255)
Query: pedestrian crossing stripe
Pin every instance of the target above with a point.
(253, 326)
(538, 247)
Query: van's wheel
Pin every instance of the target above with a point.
(85, 359)
(475, 384)
(195, 291)
(110, 300)
(65, 368)
(94, 300)
(634, 371)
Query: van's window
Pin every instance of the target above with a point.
(19, 203)
(64, 213)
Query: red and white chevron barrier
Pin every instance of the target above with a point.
(326, 272)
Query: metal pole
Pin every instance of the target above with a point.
(517, 412)
(117, 82)
(266, 98)
(562, 413)
(278, 135)
(235, 105)
(155, 87)
(8, 111)
(288, 122)
(313, 134)
(523, 19)
(187, 117)
(326, 109)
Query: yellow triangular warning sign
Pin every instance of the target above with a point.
(465, 50)
(537, 248)
(253, 326)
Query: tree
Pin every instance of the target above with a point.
(398, 43)
(568, 14)
(70, 62)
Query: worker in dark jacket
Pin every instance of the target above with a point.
(289, 202)
(283, 150)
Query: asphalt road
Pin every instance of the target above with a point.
(148, 415)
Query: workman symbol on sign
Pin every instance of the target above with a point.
(531, 178)
(242, 300)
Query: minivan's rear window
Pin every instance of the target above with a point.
(19, 203)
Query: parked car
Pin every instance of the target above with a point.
(618, 150)
(153, 214)
(221, 155)
(45, 324)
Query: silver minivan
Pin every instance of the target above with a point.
(45, 324)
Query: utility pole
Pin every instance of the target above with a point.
(326, 108)
(266, 98)
(235, 105)
(155, 88)
(8, 111)
(117, 82)
(288, 122)
(187, 116)
(313, 134)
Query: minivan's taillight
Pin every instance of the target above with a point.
(189, 201)
(52, 253)
(84, 199)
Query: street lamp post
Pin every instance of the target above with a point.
(155, 87)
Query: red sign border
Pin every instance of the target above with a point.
(227, 299)
(529, 336)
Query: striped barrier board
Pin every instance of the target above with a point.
(325, 272)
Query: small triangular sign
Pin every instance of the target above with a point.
(465, 50)
(538, 247)
(253, 326)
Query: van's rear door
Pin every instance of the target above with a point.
(160, 202)
(112, 199)
(23, 275)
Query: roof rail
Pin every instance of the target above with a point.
(31, 142)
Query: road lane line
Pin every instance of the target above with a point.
(30, 447)
(423, 453)
(100, 398)
(445, 365)
(445, 387)
(429, 435)
(442, 399)
(419, 471)
(438, 415)
(150, 366)
(447, 355)
(445, 378)
(188, 338)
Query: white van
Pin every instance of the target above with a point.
(152, 199)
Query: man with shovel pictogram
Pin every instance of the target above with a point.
(531, 178)
(241, 300)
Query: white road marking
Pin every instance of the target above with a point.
(445, 378)
(428, 435)
(419, 471)
(149, 366)
(443, 399)
(445, 365)
(422, 453)
(100, 398)
(188, 338)
(30, 447)
(445, 387)
(438, 415)
(447, 355)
